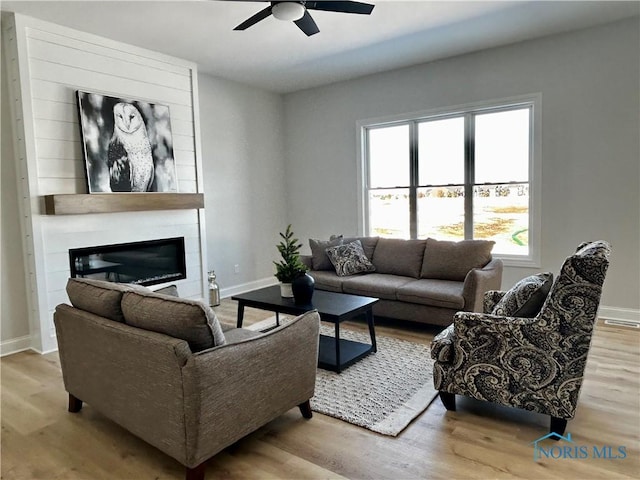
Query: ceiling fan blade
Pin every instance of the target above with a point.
(343, 7)
(261, 15)
(307, 25)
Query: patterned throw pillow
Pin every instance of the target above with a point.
(349, 259)
(525, 298)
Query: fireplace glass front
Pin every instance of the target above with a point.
(143, 263)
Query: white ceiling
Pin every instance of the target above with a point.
(277, 56)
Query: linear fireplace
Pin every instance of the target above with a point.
(142, 263)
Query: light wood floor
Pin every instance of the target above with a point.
(40, 440)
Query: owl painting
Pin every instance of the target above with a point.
(128, 144)
(129, 157)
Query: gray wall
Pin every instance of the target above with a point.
(590, 145)
(243, 163)
(589, 82)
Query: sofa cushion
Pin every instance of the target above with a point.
(325, 280)
(97, 296)
(368, 244)
(375, 285)
(399, 257)
(319, 258)
(349, 259)
(446, 260)
(188, 320)
(437, 293)
(525, 298)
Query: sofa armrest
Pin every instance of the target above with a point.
(234, 389)
(478, 281)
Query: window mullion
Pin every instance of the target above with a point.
(469, 177)
(366, 181)
(413, 180)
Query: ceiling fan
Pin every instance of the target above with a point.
(298, 12)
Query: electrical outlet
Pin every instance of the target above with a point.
(236, 268)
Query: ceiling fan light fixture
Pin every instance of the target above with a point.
(289, 11)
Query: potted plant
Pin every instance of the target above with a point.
(290, 267)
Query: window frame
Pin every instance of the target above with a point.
(532, 101)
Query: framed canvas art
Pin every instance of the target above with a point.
(127, 143)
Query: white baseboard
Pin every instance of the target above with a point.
(20, 344)
(247, 287)
(15, 345)
(623, 315)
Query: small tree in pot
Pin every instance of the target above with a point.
(290, 266)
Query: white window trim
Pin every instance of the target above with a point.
(535, 167)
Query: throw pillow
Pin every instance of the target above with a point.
(444, 260)
(525, 298)
(319, 258)
(189, 320)
(349, 259)
(97, 296)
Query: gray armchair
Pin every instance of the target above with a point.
(536, 363)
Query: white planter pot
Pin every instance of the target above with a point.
(285, 290)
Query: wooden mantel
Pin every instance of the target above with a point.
(70, 204)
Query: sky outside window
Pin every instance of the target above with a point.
(389, 156)
(502, 146)
(441, 152)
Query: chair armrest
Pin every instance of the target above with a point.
(478, 281)
(234, 389)
(467, 327)
(442, 345)
(487, 338)
(495, 324)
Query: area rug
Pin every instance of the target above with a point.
(384, 391)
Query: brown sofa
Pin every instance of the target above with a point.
(424, 281)
(190, 394)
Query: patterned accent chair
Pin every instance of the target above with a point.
(536, 363)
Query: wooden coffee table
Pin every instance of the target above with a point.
(335, 353)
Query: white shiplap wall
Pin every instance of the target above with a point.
(46, 64)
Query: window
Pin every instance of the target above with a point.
(465, 173)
